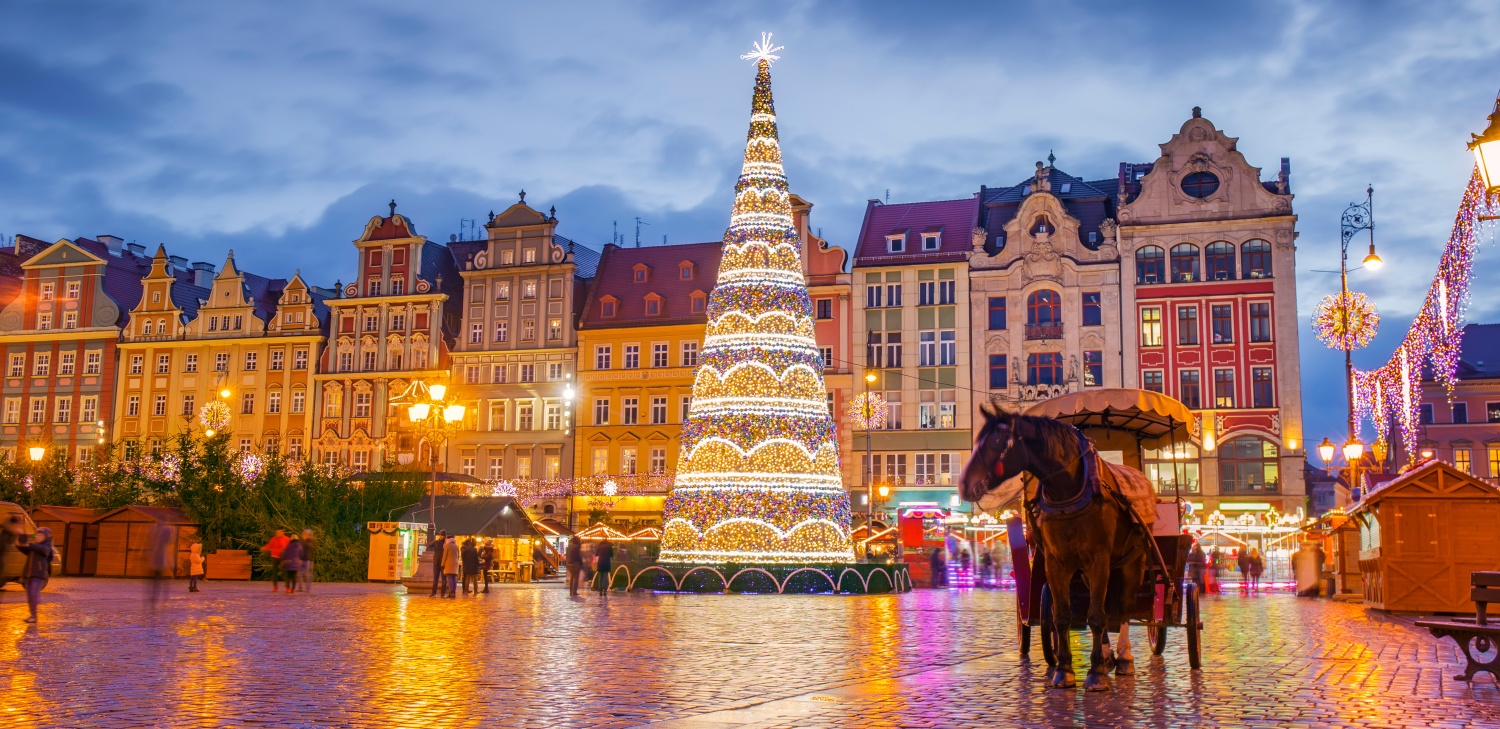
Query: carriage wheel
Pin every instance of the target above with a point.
(1049, 632)
(1193, 627)
(1156, 635)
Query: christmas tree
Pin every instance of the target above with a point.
(758, 478)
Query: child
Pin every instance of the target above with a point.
(195, 565)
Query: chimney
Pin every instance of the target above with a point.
(178, 263)
(203, 274)
(113, 242)
(136, 249)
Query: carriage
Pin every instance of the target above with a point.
(1127, 422)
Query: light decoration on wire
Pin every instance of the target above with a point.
(249, 467)
(1391, 394)
(1346, 321)
(868, 411)
(215, 415)
(758, 477)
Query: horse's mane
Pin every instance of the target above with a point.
(1051, 438)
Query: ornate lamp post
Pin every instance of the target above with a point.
(435, 419)
(1486, 148)
(1347, 321)
(868, 411)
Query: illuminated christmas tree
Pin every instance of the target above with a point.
(758, 479)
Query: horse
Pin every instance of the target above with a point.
(1079, 527)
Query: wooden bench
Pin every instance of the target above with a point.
(1477, 635)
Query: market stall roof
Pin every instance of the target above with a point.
(478, 516)
(599, 532)
(1434, 479)
(164, 514)
(1144, 413)
(647, 534)
(423, 476)
(553, 527)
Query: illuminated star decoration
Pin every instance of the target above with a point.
(868, 410)
(215, 415)
(764, 51)
(1346, 321)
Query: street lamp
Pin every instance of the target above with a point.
(1325, 451)
(1357, 217)
(1486, 148)
(435, 420)
(37, 453)
(870, 378)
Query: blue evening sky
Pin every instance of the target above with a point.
(277, 128)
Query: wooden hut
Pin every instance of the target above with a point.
(70, 531)
(123, 544)
(1420, 535)
(499, 519)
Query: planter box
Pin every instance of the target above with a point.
(227, 564)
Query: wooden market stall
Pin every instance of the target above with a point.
(70, 531)
(499, 519)
(123, 546)
(1422, 534)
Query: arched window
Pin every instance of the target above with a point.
(1185, 263)
(1256, 259)
(1042, 226)
(1044, 368)
(547, 509)
(1172, 469)
(1044, 307)
(148, 329)
(1150, 265)
(1249, 465)
(1219, 258)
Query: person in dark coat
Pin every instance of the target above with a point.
(1243, 561)
(435, 548)
(1197, 561)
(487, 563)
(604, 553)
(38, 551)
(469, 553)
(291, 563)
(939, 564)
(575, 565)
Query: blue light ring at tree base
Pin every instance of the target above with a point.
(839, 579)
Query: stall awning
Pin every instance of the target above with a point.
(477, 516)
(1146, 414)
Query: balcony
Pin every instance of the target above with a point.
(1044, 331)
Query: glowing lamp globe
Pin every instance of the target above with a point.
(1486, 148)
(208, 433)
(453, 413)
(437, 392)
(1353, 450)
(1373, 261)
(1325, 451)
(418, 411)
(885, 491)
(36, 452)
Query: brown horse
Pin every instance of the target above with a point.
(1079, 527)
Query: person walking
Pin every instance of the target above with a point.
(487, 562)
(195, 565)
(435, 548)
(1243, 562)
(939, 563)
(38, 568)
(604, 553)
(161, 552)
(10, 533)
(470, 559)
(274, 548)
(309, 549)
(575, 565)
(1197, 562)
(1257, 568)
(291, 563)
(450, 567)
(1215, 563)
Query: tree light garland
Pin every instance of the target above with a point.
(1344, 332)
(758, 474)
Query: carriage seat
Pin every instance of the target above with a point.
(1131, 484)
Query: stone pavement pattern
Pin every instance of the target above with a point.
(525, 656)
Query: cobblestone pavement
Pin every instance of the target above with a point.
(365, 655)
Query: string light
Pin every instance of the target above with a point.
(758, 476)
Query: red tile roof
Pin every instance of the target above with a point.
(955, 219)
(616, 279)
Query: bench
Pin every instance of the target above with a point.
(1477, 635)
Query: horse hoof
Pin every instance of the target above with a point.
(1063, 680)
(1096, 682)
(1124, 667)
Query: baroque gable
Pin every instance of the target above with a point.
(1201, 175)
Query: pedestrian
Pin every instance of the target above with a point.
(1197, 562)
(291, 563)
(274, 547)
(487, 562)
(309, 548)
(1257, 567)
(195, 565)
(939, 563)
(450, 567)
(539, 560)
(1243, 562)
(435, 548)
(604, 553)
(1215, 563)
(575, 565)
(986, 569)
(38, 551)
(470, 559)
(162, 556)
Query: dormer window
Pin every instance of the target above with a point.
(1042, 226)
(685, 270)
(895, 243)
(653, 305)
(932, 241)
(608, 306)
(700, 302)
(640, 273)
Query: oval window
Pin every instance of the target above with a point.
(1200, 184)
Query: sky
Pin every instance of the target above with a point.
(277, 129)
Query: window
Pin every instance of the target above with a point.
(1093, 313)
(502, 288)
(554, 329)
(1187, 325)
(687, 405)
(1151, 381)
(221, 362)
(299, 401)
(826, 354)
(1249, 465)
(931, 241)
(294, 448)
(502, 331)
(1492, 412)
(1189, 389)
(500, 374)
(159, 405)
(41, 366)
(1424, 413)
(471, 374)
(1185, 263)
(825, 308)
(92, 362)
(1493, 455)
(927, 348)
(70, 321)
(947, 289)
(600, 461)
(1223, 323)
(1172, 469)
(48, 290)
(213, 324)
(528, 255)
(1150, 265)
(12, 410)
(369, 360)
(601, 411)
(926, 292)
(44, 321)
(528, 373)
(1219, 258)
(1044, 307)
(554, 371)
(247, 403)
(997, 312)
(73, 289)
(497, 416)
(333, 404)
(148, 328)
(684, 271)
(658, 460)
(1260, 322)
(1200, 184)
(398, 323)
(523, 417)
(947, 348)
(1151, 326)
(872, 297)
(299, 359)
(1255, 259)
(1263, 389)
(607, 308)
(239, 322)
(137, 364)
(190, 363)
(659, 354)
(630, 409)
(1093, 368)
(65, 363)
(90, 409)
(895, 243)
(18, 365)
(627, 461)
(632, 356)
(1463, 460)
(659, 410)
(1460, 412)
(476, 333)
(278, 358)
(700, 302)
(497, 468)
(252, 360)
(189, 403)
(528, 330)
(602, 356)
(1223, 388)
(372, 323)
(132, 407)
(653, 306)
(554, 416)
(63, 412)
(528, 288)
(689, 354)
(1044, 368)
(893, 293)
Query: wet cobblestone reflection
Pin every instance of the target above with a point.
(356, 655)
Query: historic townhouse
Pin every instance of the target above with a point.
(1465, 429)
(638, 341)
(829, 286)
(195, 337)
(1209, 298)
(515, 359)
(1045, 290)
(911, 282)
(59, 336)
(390, 328)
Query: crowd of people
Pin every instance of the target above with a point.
(469, 564)
(292, 559)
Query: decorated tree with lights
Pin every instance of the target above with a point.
(758, 478)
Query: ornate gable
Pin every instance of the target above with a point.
(1201, 175)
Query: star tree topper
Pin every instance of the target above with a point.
(763, 51)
